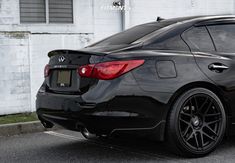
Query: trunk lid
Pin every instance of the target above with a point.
(63, 76)
(63, 64)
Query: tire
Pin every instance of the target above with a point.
(196, 123)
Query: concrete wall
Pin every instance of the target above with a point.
(106, 22)
(144, 11)
(15, 73)
(40, 45)
(24, 47)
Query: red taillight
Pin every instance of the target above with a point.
(108, 70)
(86, 70)
(46, 71)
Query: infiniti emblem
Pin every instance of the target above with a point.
(61, 59)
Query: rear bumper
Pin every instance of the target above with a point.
(58, 102)
(107, 108)
(69, 111)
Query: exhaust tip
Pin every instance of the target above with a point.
(47, 124)
(87, 134)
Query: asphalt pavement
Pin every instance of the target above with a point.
(68, 146)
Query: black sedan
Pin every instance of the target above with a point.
(171, 80)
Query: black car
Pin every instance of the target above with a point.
(171, 80)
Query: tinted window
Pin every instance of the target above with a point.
(129, 36)
(224, 37)
(198, 39)
(169, 43)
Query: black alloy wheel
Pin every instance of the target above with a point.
(196, 123)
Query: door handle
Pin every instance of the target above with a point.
(217, 67)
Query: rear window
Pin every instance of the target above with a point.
(131, 35)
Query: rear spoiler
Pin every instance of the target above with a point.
(67, 51)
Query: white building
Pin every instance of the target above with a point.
(29, 29)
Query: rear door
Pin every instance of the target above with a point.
(216, 62)
(213, 46)
(223, 71)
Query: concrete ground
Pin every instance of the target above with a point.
(68, 146)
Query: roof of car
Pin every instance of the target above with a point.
(178, 25)
(190, 20)
(195, 18)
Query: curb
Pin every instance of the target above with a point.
(23, 128)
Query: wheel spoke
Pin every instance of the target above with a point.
(212, 115)
(190, 136)
(196, 140)
(207, 109)
(211, 130)
(182, 120)
(186, 114)
(204, 103)
(202, 139)
(186, 130)
(210, 137)
(214, 121)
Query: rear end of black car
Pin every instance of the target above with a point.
(94, 90)
(85, 90)
(60, 94)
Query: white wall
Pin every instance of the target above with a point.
(83, 20)
(106, 22)
(40, 45)
(14, 72)
(145, 11)
(24, 47)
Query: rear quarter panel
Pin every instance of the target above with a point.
(158, 75)
(140, 98)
